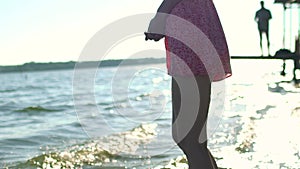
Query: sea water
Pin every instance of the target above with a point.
(122, 118)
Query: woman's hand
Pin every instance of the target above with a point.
(156, 29)
(153, 36)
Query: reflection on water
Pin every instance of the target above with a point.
(256, 127)
(260, 124)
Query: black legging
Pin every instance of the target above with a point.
(190, 104)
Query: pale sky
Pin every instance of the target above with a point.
(57, 30)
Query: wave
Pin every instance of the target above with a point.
(22, 88)
(36, 109)
(8, 90)
(97, 152)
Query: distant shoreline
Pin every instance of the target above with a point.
(34, 66)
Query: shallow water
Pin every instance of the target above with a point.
(124, 121)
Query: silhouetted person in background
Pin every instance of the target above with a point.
(262, 18)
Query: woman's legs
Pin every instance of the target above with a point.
(190, 100)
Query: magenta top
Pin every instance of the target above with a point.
(195, 41)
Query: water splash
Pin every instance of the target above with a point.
(97, 152)
(178, 163)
